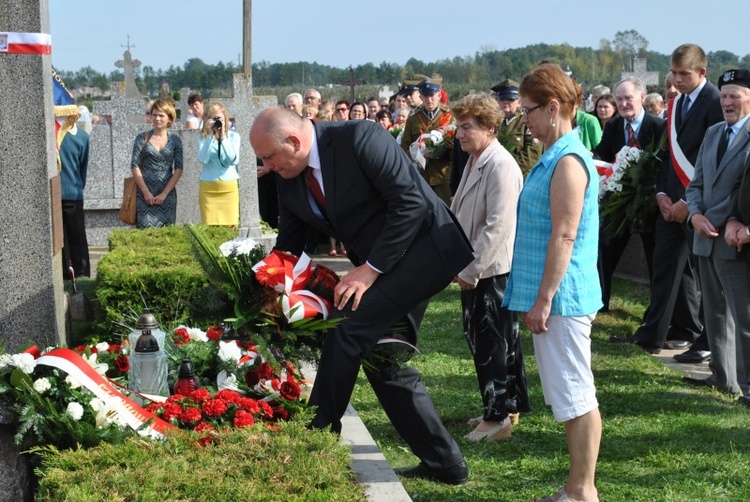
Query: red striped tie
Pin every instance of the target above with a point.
(631, 137)
(314, 187)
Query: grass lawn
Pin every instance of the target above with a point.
(661, 441)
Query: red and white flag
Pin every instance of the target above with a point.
(25, 43)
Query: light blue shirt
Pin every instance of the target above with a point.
(222, 168)
(579, 292)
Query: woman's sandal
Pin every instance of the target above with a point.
(473, 422)
(561, 495)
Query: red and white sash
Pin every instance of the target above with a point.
(682, 166)
(73, 364)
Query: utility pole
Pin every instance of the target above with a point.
(247, 41)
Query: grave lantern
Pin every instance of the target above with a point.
(148, 362)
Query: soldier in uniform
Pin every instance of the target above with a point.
(428, 116)
(512, 134)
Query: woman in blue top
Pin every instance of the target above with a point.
(553, 278)
(219, 152)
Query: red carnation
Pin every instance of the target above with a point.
(243, 419)
(252, 377)
(200, 395)
(227, 395)
(249, 404)
(289, 390)
(203, 426)
(191, 415)
(153, 408)
(122, 363)
(214, 332)
(215, 407)
(180, 336)
(265, 371)
(171, 410)
(114, 348)
(267, 410)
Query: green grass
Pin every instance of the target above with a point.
(661, 439)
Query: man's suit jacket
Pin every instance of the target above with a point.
(380, 207)
(614, 136)
(485, 205)
(703, 113)
(710, 191)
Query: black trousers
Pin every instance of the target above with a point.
(75, 251)
(675, 290)
(493, 336)
(610, 252)
(399, 389)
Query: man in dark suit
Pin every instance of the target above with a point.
(352, 182)
(675, 293)
(723, 272)
(635, 128)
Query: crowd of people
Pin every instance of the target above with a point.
(499, 193)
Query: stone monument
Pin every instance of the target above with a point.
(127, 63)
(640, 71)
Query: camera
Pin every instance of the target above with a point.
(217, 123)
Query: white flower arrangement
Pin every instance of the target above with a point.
(239, 246)
(24, 362)
(230, 352)
(74, 411)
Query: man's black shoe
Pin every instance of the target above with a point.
(744, 401)
(677, 344)
(644, 344)
(697, 382)
(693, 356)
(456, 475)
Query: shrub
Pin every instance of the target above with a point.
(156, 268)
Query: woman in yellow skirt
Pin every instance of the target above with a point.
(219, 152)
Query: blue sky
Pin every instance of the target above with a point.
(351, 32)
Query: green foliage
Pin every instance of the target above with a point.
(292, 464)
(661, 440)
(155, 268)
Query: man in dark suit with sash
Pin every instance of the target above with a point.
(675, 293)
(351, 181)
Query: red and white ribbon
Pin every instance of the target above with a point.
(74, 365)
(25, 43)
(682, 166)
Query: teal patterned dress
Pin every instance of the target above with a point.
(157, 168)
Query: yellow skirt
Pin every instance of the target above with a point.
(220, 203)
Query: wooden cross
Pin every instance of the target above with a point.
(352, 83)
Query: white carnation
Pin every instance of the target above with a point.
(229, 351)
(74, 410)
(24, 362)
(42, 385)
(436, 137)
(72, 381)
(6, 361)
(239, 246)
(102, 347)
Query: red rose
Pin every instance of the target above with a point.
(215, 407)
(214, 332)
(203, 426)
(171, 410)
(81, 349)
(191, 415)
(243, 419)
(265, 371)
(289, 390)
(227, 395)
(280, 414)
(93, 349)
(114, 348)
(200, 395)
(252, 377)
(122, 363)
(249, 404)
(180, 336)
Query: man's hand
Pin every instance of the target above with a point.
(679, 212)
(354, 284)
(665, 206)
(703, 227)
(733, 232)
(464, 284)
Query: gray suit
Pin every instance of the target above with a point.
(723, 274)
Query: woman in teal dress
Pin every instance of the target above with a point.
(157, 167)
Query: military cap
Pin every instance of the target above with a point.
(407, 89)
(428, 87)
(507, 89)
(736, 77)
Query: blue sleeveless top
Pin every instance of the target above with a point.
(579, 292)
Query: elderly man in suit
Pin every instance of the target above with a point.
(351, 181)
(675, 294)
(635, 128)
(723, 272)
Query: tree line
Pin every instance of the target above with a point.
(480, 71)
